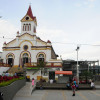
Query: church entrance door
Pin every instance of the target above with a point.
(25, 58)
(10, 61)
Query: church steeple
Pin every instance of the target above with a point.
(28, 23)
(29, 12)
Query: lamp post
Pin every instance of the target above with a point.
(77, 65)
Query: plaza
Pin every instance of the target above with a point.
(25, 94)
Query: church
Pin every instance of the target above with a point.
(27, 49)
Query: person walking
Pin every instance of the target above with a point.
(73, 89)
(32, 85)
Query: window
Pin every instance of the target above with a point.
(40, 57)
(25, 47)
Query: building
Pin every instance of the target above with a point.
(28, 49)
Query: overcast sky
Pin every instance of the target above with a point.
(66, 23)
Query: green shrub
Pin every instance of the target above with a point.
(5, 83)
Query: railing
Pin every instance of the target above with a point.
(4, 65)
(32, 64)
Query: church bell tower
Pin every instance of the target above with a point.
(28, 23)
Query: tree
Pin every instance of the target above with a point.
(41, 64)
(87, 74)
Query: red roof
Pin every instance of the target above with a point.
(48, 41)
(29, 12)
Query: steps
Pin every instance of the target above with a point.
(14, 70)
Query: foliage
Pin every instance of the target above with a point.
(87, 74)
(5, 83)
(41, 65)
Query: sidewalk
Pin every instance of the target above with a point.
(97, 87)
(26, 90)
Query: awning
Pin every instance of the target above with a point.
(64, 72)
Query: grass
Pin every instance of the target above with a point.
(6, 83)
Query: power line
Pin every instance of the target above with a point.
(56, 42)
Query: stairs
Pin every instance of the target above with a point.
(14, 70)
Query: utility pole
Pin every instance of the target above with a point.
(77, 65)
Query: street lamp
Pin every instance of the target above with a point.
(77, 65)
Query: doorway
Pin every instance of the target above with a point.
(52, 75)
(10, 60)
(25, 59)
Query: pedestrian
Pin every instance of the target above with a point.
(73, 89)
(76, 87)
(92, 85)
(32, 85)
(74, 82)
(68, 85)
(1, 96)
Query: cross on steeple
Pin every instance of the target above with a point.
(30, 3)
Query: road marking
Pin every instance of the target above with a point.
(84, 97)
(95, 93)
(64, 96)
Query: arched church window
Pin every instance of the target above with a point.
(26, 27)
(30, 27)
(40, 58)
(10, 56)
(25, 55)
(34, 30)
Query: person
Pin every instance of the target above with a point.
(32, 84)
(51, 81)
(74, 82)
(73, 88)
(92, 85)
(1, 96)
(68, 85)
(76, 87)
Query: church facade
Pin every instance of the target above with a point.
(27, 49)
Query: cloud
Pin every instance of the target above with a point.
(8, 30)
(78, 5)
(91, 0)
(88, 3)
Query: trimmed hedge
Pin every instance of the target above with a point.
(5, 83)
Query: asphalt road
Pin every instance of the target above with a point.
(60, 95)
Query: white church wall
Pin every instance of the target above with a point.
(38, 43)
(12, 44)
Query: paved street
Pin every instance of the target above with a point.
(60, 95)
(25, 94)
